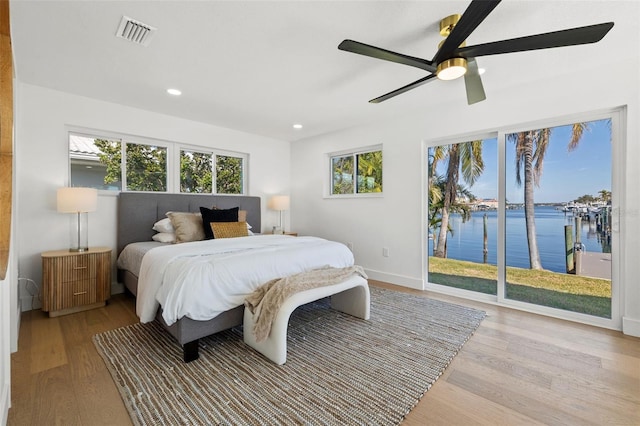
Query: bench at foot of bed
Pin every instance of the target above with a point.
(350, 296)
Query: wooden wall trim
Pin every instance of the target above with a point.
(6, 136)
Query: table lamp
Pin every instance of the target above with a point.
(280, 203)
(78, 201)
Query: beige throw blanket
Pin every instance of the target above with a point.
(264, 303)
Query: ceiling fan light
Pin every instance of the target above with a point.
(451, 69)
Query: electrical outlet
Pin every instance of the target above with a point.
(385, 251)
(350, 246)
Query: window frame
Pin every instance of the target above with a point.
(148, 142)
(86, 133)
(215, 152)
(172, 159)
(179, 162)
(328, 192)
(214, 183)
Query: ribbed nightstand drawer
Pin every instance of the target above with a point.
(78, 268)
(84, 292)
(74, 293)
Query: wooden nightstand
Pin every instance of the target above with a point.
(74, 282)
(293, 234)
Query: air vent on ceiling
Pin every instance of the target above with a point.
(135, 31)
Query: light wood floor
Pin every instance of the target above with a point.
(517, 368)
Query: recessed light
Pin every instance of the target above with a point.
(297, 126)
(174, 92)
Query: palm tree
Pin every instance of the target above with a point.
(531, 147)
(436, 202)
(605, 195)
(435, 183)
(370, 167)
(465, 157)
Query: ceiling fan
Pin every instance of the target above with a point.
(453, 59)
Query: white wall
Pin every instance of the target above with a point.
(42, 166)
(5, 345)
(5, 349)
(396, 220)
(9, 323)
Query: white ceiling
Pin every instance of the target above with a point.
(261, 66)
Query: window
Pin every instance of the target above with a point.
(118, 164)
(342, 171)
(146, 167)
(229, 174)
(95, 162)
(356, 172)
(195, 172)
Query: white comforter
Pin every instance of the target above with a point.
(200, 280)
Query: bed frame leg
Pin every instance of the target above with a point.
(190, 351)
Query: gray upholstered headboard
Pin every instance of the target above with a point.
(138, 211)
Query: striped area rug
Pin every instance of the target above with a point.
(340, 370)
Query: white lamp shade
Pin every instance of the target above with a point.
(76, 200)
(279, 202)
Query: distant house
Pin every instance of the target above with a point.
(484, 204)
(86, 168)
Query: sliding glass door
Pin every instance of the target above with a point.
(462, 219)
(527, 218)
(558, 222)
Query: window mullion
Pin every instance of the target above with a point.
(502, 214)
(214, 173)
(123, 164)
(355, 173)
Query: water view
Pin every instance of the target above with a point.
(466, 243)
(560, 172)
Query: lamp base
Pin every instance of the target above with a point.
(79, 241)
(79, 249)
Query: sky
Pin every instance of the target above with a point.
(565, 175)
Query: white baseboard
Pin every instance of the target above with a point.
(28, 303)
(402, 280)
(631, 326)
(14, 340)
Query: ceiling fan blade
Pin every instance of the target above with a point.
(477, 11)
(569, 37)
(473, 83)
(402, 89)
(386, 55)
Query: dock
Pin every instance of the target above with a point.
(595, 265)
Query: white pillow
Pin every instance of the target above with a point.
(164, 237)
(248, 226)
(164, 226)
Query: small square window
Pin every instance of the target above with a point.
(357, 172)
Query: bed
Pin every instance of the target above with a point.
(137, 212)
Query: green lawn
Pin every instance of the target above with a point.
(563, 291)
